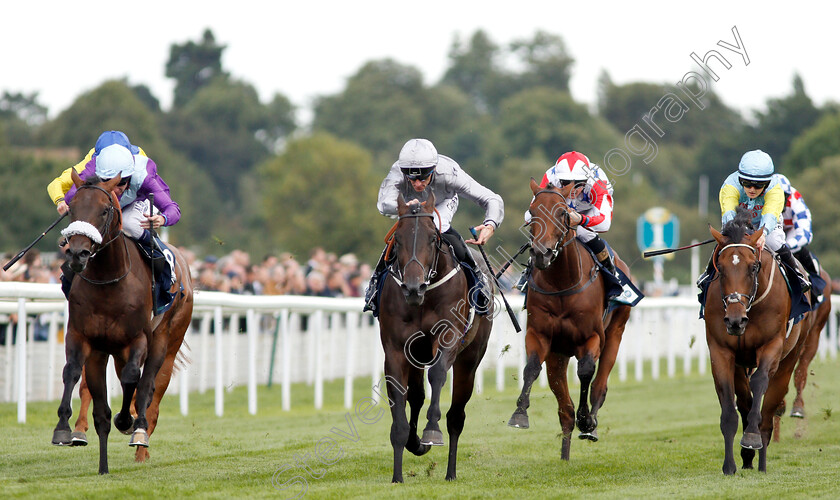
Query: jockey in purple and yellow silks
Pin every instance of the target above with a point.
(755, 188)
(61, 184)
(139, 180)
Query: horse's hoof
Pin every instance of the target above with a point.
(797, 412)
(61, 438)
(751, 441)
(519, 421)
(139, 438)
(432, 437)
(592, 436)
(78, 438)
(123, 425)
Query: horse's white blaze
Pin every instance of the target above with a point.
(735, 260)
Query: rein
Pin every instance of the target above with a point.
(70, 231)
(736, 297)
(577, 287)
(398, 273)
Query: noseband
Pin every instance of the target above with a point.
(429, 275)
(96, 236)
(562, 242)
(738, 298)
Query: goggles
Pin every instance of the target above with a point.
(418, 174)
(753, 184)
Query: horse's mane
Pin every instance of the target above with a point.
(90, 181)
(738, 227)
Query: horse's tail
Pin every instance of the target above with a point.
(182, 359)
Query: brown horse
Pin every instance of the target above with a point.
(753, 347)
(809, 350)
(425, 321)
(110, 305)
(567, 317)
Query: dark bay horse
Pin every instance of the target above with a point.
(566, 307)
(425, 321)
(110, 305)
(753, 347)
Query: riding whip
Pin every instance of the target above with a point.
(501, 271)
(487, 261)
(23, 252)
(654, 253)
(152, 235)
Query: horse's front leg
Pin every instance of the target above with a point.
(586, 370)
(95, 372)
(613, 333)
(768, 363)
(723, 366)
(432, 434)
(79, 436)
(129, 378)
(396, 383)
(416, 396)
(556, 367)
(76, 353)
(536, 348)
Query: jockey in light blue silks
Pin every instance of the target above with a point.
(755, 188)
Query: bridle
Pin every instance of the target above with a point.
(739, 298)
(431, 273)
(106, 229)
(564, 225)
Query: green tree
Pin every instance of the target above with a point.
(546, 60)
(21, 115)
(322, 191)
(784, 120)
(821, 194)
(818, 142)
(194, 65)
(475, 69)
(226, 131)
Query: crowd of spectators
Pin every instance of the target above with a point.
(323, 274)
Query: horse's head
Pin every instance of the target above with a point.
(416, 243)
(95, 218)
(550, 228)
(738, 262)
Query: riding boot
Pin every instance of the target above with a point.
(599, 248)
(67, 275)
(462, 253)
(804, 256)
(522, 284)
(370, 291)
(707, 275)
(787, 258)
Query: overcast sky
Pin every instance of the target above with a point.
(308, 48)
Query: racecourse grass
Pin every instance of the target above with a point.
(658, 439)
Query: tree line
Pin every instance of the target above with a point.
(248, 175)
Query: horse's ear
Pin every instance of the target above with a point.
(401, 206)
(430, 203)
(77, 180)
(753, 238)
(716, 234)
(534, 186)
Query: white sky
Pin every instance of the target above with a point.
(308, 48)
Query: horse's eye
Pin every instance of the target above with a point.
(105, 212)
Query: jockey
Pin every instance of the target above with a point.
(755, 188)
(796, 219)
(61, 184)
(590, 201)
(419, 171)
(138, 179)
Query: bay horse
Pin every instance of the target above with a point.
(753, 347)
(567, 316)
(809, 350)
(425, 322)
(110, 314)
